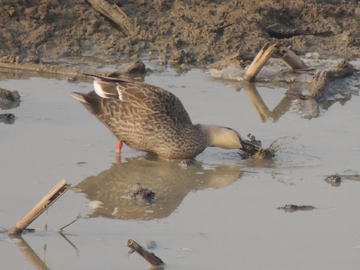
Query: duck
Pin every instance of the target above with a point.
(151, 119)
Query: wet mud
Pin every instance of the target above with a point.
(198, 31)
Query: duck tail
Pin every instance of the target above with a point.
(79, 96)
(91, 101)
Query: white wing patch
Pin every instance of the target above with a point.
(106, 89)
(119, 92)
(98, 89)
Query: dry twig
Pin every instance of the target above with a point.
(76, 219)
(149, 256)
(114, 13)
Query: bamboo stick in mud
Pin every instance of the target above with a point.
(38, 209)
(260, 60)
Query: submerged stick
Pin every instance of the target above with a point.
(260, 60)
(149, 256)
(76, 219)
(321, 80)
(38, 209)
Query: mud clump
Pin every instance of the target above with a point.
(9, 96)
(293, 208)
(7, 118)
(140, 193)
(334, 180)
(197, 31)
(9, 99)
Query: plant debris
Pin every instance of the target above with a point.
(137, 192)
(334, 180)
(293, 208)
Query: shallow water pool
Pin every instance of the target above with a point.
(220, 213)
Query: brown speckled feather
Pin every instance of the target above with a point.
(145, 117)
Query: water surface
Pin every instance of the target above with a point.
(220, 213)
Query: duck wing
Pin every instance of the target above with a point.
(131, 96)
(153, 101)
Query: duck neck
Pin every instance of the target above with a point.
(222, 137)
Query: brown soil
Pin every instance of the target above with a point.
(187, 31)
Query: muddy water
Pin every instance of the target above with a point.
(220, 213)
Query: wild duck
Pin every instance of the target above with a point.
(151, 119)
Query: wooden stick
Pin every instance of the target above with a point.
(260, 60)
(76, 219)
(149, 256)
(290, 58)
(114, 13)
(298, 70)
(50, 69)
(38, 209)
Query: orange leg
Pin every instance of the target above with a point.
(118, 150)
(119, 146)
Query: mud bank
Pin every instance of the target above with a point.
(198, 31)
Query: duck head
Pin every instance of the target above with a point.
(222, 137)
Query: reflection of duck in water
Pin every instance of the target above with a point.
(149, 118)
(169, 181)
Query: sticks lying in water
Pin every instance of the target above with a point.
(149, 256)
(38, 209)
(18, 63)
(260, 60)
(266, 52)
(307, 105)
(11, 62)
